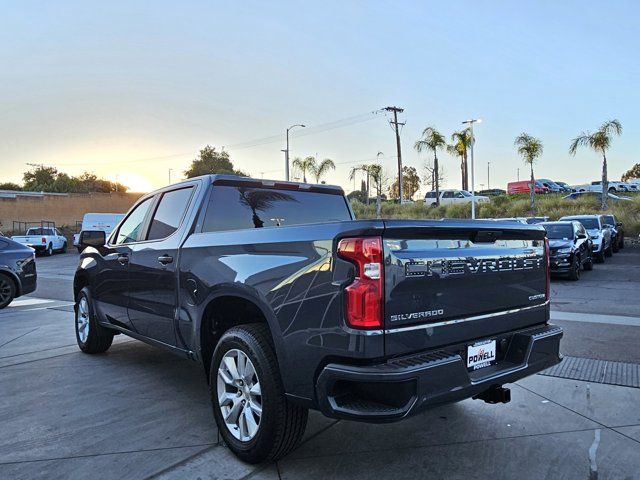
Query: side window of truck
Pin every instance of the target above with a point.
(169, 213)
(130, 230)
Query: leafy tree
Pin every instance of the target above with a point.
(460, 145)
(211, 161)
(40, 178)
(599, 141)
(310, 166)
(529, 148)
(10, 186)
(432, 140)
(633, 172)
(410, 184)
(49, 179)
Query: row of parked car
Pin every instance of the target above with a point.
(576, 242)
(544, 185)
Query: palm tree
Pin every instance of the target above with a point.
(461, 143)
(361, 168)
(376, 175)
(304, 166)
(259, 200)
(599, 141)
(321, 170)
(432, 140)
(309, 165)
(530, 148)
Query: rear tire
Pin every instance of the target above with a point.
(609, 251)
(49, 250)
(588, 265)
(278, 427)
(621, 244)
(90, 335)
(7, 290)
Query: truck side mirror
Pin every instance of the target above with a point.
(92, 238)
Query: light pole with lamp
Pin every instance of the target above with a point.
(470, 122)
(286, 152)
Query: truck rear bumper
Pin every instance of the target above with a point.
(400, 387)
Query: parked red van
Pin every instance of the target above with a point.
(523, 187)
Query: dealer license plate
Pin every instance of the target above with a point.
(481, 354)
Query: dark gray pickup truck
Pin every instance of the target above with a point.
(290, 304)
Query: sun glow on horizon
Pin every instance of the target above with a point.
(135, 183)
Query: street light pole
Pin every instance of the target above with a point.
(170, 175)
(470, 122)
(286, 152)
(488, 184)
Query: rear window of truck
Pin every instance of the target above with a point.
(241, 207)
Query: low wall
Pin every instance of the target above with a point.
(64, 210)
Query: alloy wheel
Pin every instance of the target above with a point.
(239, 395)
(82, 319)
(5, 291)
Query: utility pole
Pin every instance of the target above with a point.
(396, 124)
(518, 172)
(170, 175)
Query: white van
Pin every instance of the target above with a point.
(106, 222)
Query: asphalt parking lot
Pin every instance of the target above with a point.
(138, 412)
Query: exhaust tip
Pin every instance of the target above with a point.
(497, 394)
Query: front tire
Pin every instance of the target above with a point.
(64, 248)
(254, 417)
(7, 290)
(90, 335)
(574, 273)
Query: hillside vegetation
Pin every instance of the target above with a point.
(552, 206)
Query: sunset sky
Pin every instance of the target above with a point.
(133, 89)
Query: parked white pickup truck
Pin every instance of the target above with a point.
(43, 240)
(613, 187)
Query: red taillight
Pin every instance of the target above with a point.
(548, 263)
(364, 297)
(44, 240)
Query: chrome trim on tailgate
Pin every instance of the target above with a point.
(465, 319)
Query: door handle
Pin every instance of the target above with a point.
(123, 259)
(165, 259)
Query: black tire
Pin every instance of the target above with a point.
(281, 424)
(7, 290)
(621, 244)
(600, 257)
(64, 248)
(574, 273)
(49, 250)
(99, 338)
(588, 265)
(609, 251)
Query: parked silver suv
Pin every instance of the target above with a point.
(599, 233)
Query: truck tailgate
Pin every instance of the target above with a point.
(460, 280)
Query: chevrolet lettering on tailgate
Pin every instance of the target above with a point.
(444, 267)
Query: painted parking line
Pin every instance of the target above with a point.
(23, 302)
(595, 318)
